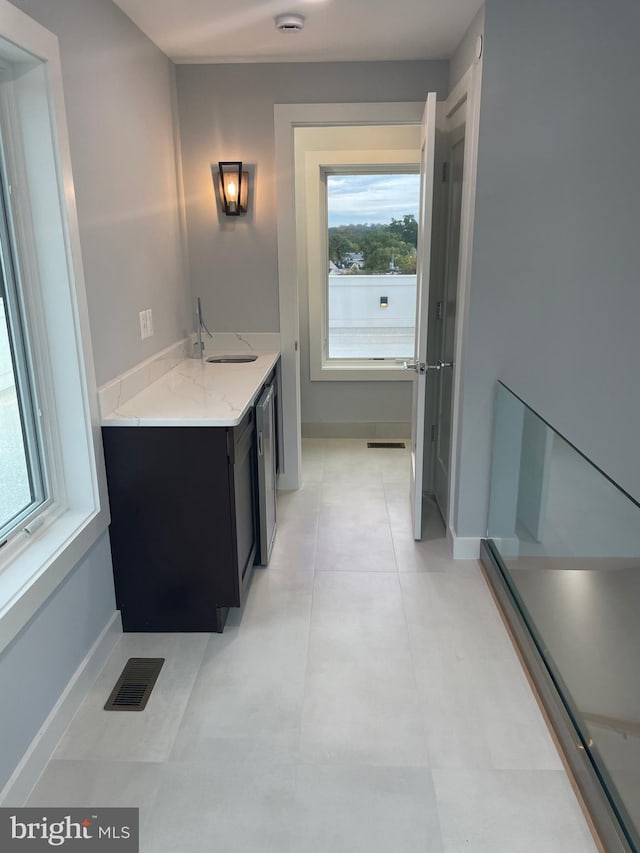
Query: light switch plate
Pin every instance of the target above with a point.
(143, 325)
(149, 313)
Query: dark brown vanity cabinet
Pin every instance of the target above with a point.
(183, 523)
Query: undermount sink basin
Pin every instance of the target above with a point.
(231, 359)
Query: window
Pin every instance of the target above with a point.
(52, 485)
(372, 253)
(359, 212)
(22, 472)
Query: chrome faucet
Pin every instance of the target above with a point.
(198, 345)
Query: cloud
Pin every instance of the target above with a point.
(356, 199)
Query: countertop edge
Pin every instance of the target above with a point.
(116, 419)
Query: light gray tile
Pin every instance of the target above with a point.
(99, 784)
(296, 505)
(347, 545)
(197, 744)
(508, 811)
(136, 736)
(349, 612)
(274, 607)
(252, 676)
(289, 575)
(362, 712)
(453, 610)
(295, 547)
(352, 470)
(353, 557)
(373, 809)
(358, 596)
(351, 498)
(220, 807)
(482, 714)
(240, 694)
(420, 556)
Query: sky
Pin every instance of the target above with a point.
(356, 199)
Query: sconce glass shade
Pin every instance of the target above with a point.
(233, 187)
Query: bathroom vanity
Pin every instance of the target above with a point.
(181, 461)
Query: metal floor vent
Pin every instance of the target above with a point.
(135, 684)
(393, 445)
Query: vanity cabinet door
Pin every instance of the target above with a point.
(173, 527)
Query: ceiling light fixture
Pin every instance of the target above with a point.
(289, 22)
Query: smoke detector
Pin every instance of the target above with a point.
(289, 22)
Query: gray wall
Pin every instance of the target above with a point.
(226, 113)
(465, 54)
(555, 299)
(118, 98)
(36, 666)
(119, 110)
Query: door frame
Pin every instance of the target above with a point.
(286, 118)
(469, 88)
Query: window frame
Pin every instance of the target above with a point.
(44, 230)
(24, 315)
(318, 164)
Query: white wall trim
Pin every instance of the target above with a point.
(469, 87)
(361, 429)
(286, 118)
(25, 776)
(465, 547)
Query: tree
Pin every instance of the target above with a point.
(379, 242)
(406, 228)
(339, 245)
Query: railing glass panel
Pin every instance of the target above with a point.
(568, 540)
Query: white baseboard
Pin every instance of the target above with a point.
(25, 776)
(465, 547)
(382, 430)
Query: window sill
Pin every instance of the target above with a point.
(360, 371)
(37, 570)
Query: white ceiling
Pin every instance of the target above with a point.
(244, 31)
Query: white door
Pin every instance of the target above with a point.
(427, 166)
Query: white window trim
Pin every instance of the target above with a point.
(33, 565)
(317, 163)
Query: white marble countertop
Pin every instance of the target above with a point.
(196, 393)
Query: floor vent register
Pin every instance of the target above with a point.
(133, 688)
(386, 445)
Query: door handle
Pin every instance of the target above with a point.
(421, 367)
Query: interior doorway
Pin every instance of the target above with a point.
(356, 188)
(287, 118)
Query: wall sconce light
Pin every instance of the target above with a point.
(384, 301)
(233, 187)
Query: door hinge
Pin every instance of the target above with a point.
(439, 310)
(434, 432)
(445, 172)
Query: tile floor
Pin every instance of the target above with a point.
(367, 699)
